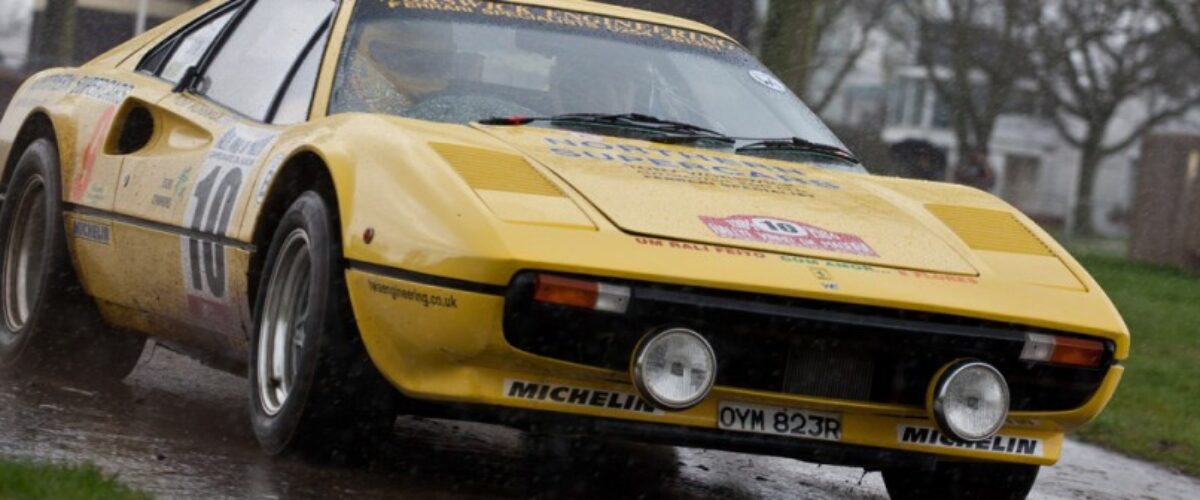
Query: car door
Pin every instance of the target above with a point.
(185, 177)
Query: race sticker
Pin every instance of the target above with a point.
(787, 233)
(1009, 445)
(578, 396)
(765, 79)
(210, 211)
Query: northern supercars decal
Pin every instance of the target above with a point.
(1008, 445)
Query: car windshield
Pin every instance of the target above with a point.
(418, 60)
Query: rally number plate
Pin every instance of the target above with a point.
(780, 421)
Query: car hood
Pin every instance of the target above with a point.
(699, 195)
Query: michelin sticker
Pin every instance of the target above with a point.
(210, 210)
(578, 396)
(1008, 445)
(91, 231)
(765, 79)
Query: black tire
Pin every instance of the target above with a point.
(336, 405)
(48, 325)
(973, 480)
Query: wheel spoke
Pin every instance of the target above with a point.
(283, 326)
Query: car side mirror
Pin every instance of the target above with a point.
(190, 79)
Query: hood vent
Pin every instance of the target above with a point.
(490, 170)
(991, 230)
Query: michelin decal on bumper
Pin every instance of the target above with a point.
(1009, 445)
(578, 396)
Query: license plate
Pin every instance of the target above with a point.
(780, 421)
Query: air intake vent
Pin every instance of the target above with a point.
(993, 230)
(495, 171)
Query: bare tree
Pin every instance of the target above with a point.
(1183, 17)
(974, 53)
(798, 42)
(1104, 60)
(55, 34)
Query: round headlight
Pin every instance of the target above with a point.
(969, 400)
(674, 369)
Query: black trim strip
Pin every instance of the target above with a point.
(428, 279)
(159, 226)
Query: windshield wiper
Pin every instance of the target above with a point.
(677, 131)
(800, 145)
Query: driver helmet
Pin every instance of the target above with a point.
(415, 58)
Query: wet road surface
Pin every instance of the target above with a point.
(178, 430)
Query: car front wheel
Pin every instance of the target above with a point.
(973, 480)
(313, 390)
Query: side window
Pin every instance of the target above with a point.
(172, 59)
(256, 59)
(297, 99)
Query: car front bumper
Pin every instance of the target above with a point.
(437, 341)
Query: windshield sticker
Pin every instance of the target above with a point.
(1009, 445)
(787, 233)
(582, 20)
(765, 79)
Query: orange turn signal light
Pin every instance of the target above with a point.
(1060, 350)
(581, 293)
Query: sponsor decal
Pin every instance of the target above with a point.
(200, 109)
(83, 178)
(787, 233)
(703, 169)
(92, 231)
(181, 182)
(695, 247)
(1008, 445)
(264, 183)
(52, 84)
(833, 264)
(945, 278)
(625, 27)
(765, 79)
(410, 295)
(102, 89)
(210, 210)
(578, 396)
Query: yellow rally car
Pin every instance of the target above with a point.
(547, 213)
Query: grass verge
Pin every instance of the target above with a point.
(27, 481)
(1154, 413)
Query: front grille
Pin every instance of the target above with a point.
(802, 347)
(829, 373)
